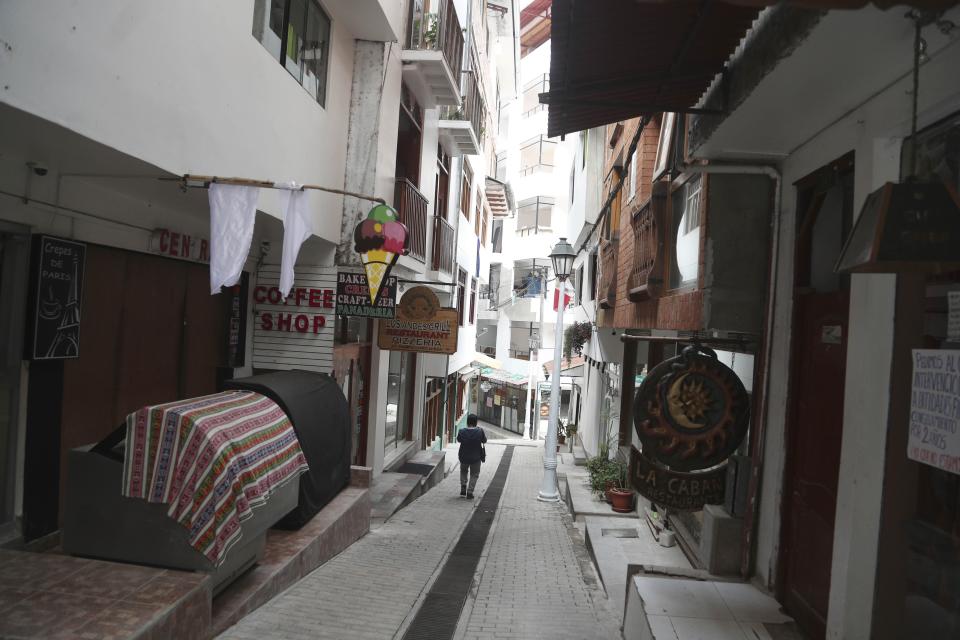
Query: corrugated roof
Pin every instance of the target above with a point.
(619, 59)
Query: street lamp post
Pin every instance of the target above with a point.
(562, 257)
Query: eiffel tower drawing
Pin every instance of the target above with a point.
(68, 333)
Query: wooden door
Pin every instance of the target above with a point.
(351, 368)
(815, 437)
(818, 375)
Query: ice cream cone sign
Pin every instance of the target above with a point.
(379, 239)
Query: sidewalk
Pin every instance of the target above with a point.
(529, 582)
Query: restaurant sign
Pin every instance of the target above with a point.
(420, 325)
(178, 244)
(59, 291)
(676, 489)
(353, 296)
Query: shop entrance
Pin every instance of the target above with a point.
(815, 427)
(351, 368)
(150, 332)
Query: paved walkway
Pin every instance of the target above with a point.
(532, 580)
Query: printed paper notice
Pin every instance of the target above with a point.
(935, 409)
(953, 316)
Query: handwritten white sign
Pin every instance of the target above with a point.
(953, 316)
(935, 409)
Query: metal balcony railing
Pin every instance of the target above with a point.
(474, 109)
(412, 207)
(434, 26)
(443, 246)
(519, 354)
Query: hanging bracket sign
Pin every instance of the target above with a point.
(675, 489)
(353, 296)
(421, 325)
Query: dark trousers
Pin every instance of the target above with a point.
(474, 469)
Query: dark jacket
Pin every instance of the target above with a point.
(471, 441)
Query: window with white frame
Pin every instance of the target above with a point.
(531, 95)
(537, 154)
(534, 215)
(297, 34)
(633, 174)
(686, 208)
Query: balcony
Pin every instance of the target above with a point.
(433, 53)
(444, 247)
(519, 354)
(411, 205)
(607, 292)
(462, 129)
(646, 272)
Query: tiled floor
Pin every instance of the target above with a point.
(679, 609)
(56, 596)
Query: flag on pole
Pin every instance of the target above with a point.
(566, 297)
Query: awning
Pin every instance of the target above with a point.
(499, 375)
(534, 25)
(620, 59)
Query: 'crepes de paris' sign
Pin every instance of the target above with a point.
(691, 413)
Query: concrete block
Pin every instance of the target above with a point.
(720, 541)
(360, 476)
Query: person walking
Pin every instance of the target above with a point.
(472, 454)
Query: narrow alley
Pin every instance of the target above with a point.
(530, 581)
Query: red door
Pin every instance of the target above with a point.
(815, 436)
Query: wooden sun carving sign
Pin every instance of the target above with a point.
(691, 413)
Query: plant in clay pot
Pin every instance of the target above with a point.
(619, 496)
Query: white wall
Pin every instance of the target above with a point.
(874, 131)
(182, 85)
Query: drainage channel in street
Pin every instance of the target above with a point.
(438, 616)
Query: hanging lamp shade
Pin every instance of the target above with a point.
(902, 228)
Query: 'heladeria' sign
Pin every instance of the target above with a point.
(353, 296)
(421, 325)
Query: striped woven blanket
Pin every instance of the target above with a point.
(212, 459)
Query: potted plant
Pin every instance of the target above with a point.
(572, 431)
(575, 336)
(430, 35)
(620, 497)
(561, 434)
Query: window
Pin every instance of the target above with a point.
(534, 215)
(477, 214)
(400, 381)
(465, 190)
(536, 154)
(594, 259)
(473, 300)
(501, 170)
(496, 237)
(461, 295)
(578, 286)
(531, 95)
(686, 211)
(633, 174)
(297, 34)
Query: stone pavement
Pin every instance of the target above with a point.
(533, 579)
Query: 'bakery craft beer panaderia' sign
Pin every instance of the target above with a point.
(353, 296)
(421, 325)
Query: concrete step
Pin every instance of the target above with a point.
(667, 607)
(393, 490)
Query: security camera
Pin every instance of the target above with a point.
(38, 168)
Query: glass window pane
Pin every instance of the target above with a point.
(296, 30)
(686, 226)
(271, 37)
(314, 54)
(393, 399)
(546, 155)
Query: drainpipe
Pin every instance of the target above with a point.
(774, 174)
